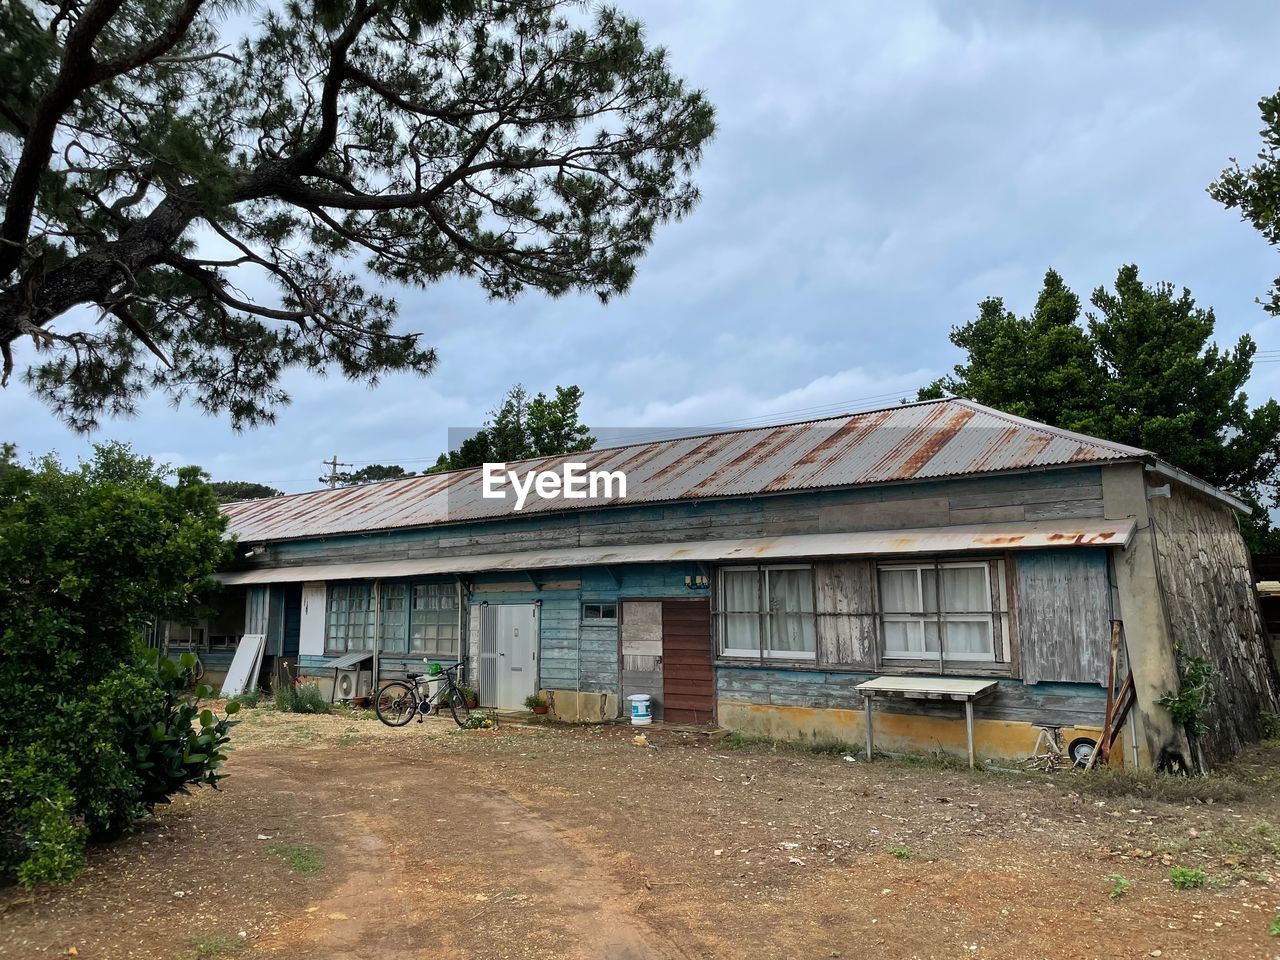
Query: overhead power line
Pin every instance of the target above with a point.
(655, 434)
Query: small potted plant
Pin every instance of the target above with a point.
(537, 703)
(469, 695)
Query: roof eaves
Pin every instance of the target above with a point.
(1170, 472)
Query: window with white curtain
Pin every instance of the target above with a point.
(938, 610)
(767, 611)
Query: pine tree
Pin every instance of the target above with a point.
(1255, 190)
(1041, 366)
(1143, 371)
(230, 210)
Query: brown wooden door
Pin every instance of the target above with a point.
(688, 678)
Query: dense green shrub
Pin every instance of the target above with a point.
(301, 697)
(94, 731)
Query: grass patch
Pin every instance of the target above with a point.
(1119, 886)
(1274, 927)
(819, 746)
(348, 737)
(834, 747)
(1149, 785)
(214, 945)
(1262, 839)
(300, 859)
(901, 851)
(250, 698)
(1187, 878)
(747, 741)
(301, 698)
(1244, 847)
(939, 760)
(826, 747)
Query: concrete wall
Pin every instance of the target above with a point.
(815, 704)
(895, 732)
(1148, 645)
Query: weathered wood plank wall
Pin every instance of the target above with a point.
(1060, 493)
(1064, 615)
(845, 601)
(1213, 614)
(640, 632)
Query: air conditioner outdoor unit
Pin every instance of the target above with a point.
(351, 683)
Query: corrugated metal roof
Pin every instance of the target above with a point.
(917, 441)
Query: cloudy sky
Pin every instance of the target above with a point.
(879, 168)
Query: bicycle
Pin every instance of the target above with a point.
(401, 700)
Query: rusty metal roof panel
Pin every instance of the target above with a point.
(917, 441)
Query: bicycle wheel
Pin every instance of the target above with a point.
(396, 704)
(458, 707)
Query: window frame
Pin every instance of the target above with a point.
(601, 620)
(388, 644)
(998, 616)
(765, 616)
(452, 592)
(330, 647)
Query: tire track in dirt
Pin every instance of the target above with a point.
(483, 875)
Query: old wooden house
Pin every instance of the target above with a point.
(756, 578)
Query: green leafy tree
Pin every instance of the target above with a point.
(1141, 369)
(1042, 366)
(229, 491)
(522, 428)
(370, 474)
(93, 733)
(339, 147)
(1255, 190)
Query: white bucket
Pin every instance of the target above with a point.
(640, 712)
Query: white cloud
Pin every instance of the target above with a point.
(879, 169)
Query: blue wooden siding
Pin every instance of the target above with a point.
(574, 656)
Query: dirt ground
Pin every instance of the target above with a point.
(337, 837)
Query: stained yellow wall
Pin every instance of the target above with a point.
(894, 732)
